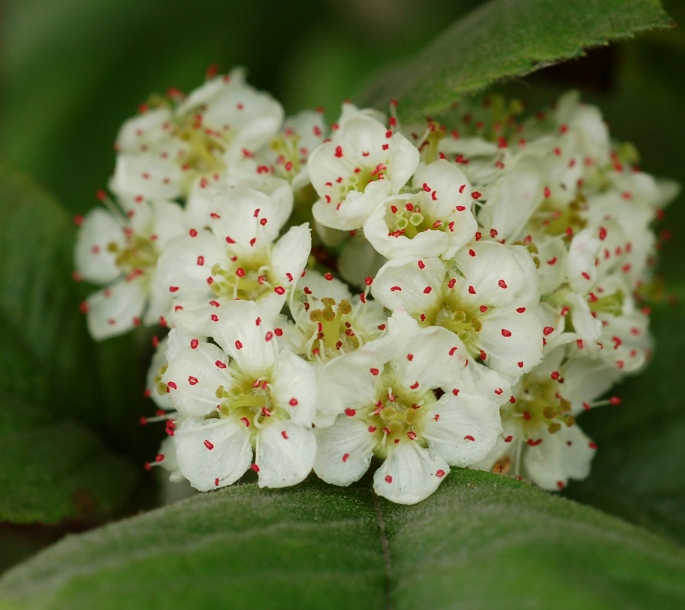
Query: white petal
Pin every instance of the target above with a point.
(197, 374)
(285, 454)
(502, 276)
(561, 456)
(344, 451)
(433, 357)
(511, 341)
(147, 175)
(243, 333)
(409, 474)
(212, 453)
(294, 387)
(348, 381)
(404, 283)
(116, 309)
(463, 428)
(94, 262)
(290, 254)
(581, 268)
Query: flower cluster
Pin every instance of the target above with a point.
(430, 295)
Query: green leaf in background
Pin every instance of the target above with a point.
(481, 541)
(51, 467)
(54, 469)
(638, 471)
(506, 38)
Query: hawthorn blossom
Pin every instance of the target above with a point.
(541, 440)
(170, 145)
(121, 251)
(487, 295)
(363, 164)
(236, 257)
(329, 320)
(383, 401)
(242, 398)
(434, 219)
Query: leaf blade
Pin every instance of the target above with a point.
(481, 541)
(506, 38)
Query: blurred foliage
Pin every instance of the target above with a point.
(74, 70)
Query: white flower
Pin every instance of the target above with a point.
(165, 150)
(541, 440)
(435, 219)
(330, 320)
(486, 295)
(383, 398)
(243, 393)
(121, 251)
(363, 164)
(236, 258)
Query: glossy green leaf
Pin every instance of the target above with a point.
(53, 467)
(504, 39)
(481, 541)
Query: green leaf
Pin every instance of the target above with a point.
(481, 541)
(52, 467)
(55, 469)
(506, 38)
(638, 471)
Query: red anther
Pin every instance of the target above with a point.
(547, 192)
(208, 444)
(350, 412)
(506, 333)
(520, 309)
(374, 371)
(192, 380)
(293, 402)
(468, 437)
(548, 330)
(338, 151)
(502, 284)
(388, 479)
(476, 195)
(440, 474)
(614, 400)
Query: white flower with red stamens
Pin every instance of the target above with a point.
(331, 321)
(121, 251)
(165, 150)
(486, 295)
(541, 440)
(286, 154)
(434, 219)
(241, 397)
(236, 258)
(363, 164)
(383, 398)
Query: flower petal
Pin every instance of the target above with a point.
(409, 474)
(285, 454)
(464, 428)
(193, 377)
(212, 453)
(344, 451)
